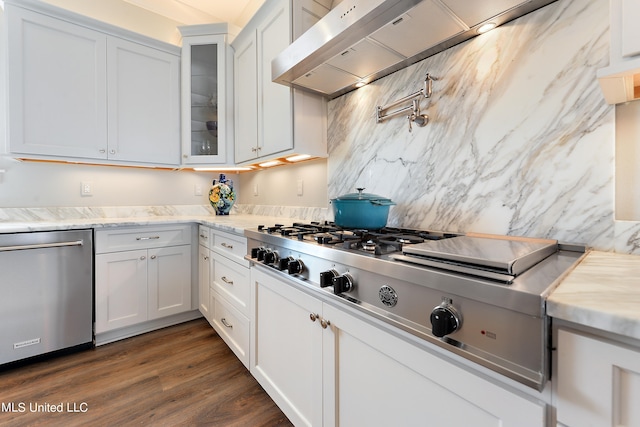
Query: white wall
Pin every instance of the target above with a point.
(36, 184)
(278, 186)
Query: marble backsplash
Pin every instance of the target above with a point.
(520, 139)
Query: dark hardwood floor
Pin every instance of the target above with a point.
(184, 375)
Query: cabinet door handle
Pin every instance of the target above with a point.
(153, 257)
(227, 281)
(148, 238)
(102, 151)
(224, 245)
(324, 323)
(112, 151)
(225, 323)
(313, 316)
(142, 258)
(206, 258)
(204, 236)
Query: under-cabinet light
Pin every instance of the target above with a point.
(298, 158)
(486, 27)
(224, 169)
(269, 164)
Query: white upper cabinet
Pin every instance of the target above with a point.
(620, 81)
(82, 94)
(272, 120)
(58, 87)
(143, 119)
(207, 95)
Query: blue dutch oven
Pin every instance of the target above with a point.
(361, 210)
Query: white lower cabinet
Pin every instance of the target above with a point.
(324, 366)
(598, 381)
(229, 297)
(141, 274)
(205, 266)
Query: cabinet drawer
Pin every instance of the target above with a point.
(230, 245)
(121, 239)
(231, 280)
(204, 236)
(231, 325)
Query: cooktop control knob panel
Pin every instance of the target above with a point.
(295, 266)
(445, 319)
(326, 278)
(271, 257)
(343, 283)
(283, 264)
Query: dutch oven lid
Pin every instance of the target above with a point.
(364, 196)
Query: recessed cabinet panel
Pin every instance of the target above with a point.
(630, 28)
(58, 90)
(144, 121)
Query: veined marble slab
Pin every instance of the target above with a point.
(602, 292)
(520, 140)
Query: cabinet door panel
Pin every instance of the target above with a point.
(204, 271)
(365, 366)
(598, 382)
(275, 123)
(144, 118)
(246, 100)
(287, 348)
(121, 289)
(65, 119)
(169, 281)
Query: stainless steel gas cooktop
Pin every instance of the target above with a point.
(481, 297)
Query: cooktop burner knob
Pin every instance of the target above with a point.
(283, 264)
(271, 257)
(295, 266)
(254, 252)
(326, 278)
(343, 283)
(444, 319)
(260, 254)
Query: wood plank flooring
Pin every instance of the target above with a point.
(184, 375)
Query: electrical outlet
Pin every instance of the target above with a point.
(300, 185)
(86, 188)
(255, 189)
(197, 190)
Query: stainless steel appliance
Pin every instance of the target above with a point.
(359, 41)
(47, 293)
(481, 297)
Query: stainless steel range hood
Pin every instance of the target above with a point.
(359, 41)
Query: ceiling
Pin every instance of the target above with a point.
(191, 12)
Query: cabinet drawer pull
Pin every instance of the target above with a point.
(225, 323)
(224, 245)
(148, 238)
(227, 281)
(204, 236)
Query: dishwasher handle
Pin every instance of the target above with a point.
(41, 246)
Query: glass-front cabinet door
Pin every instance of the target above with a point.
(207, 129)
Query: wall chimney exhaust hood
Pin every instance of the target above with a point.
(360, 41)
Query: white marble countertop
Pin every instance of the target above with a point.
(602, 292)
(232, 223)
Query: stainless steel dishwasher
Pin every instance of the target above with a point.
(46, 288)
